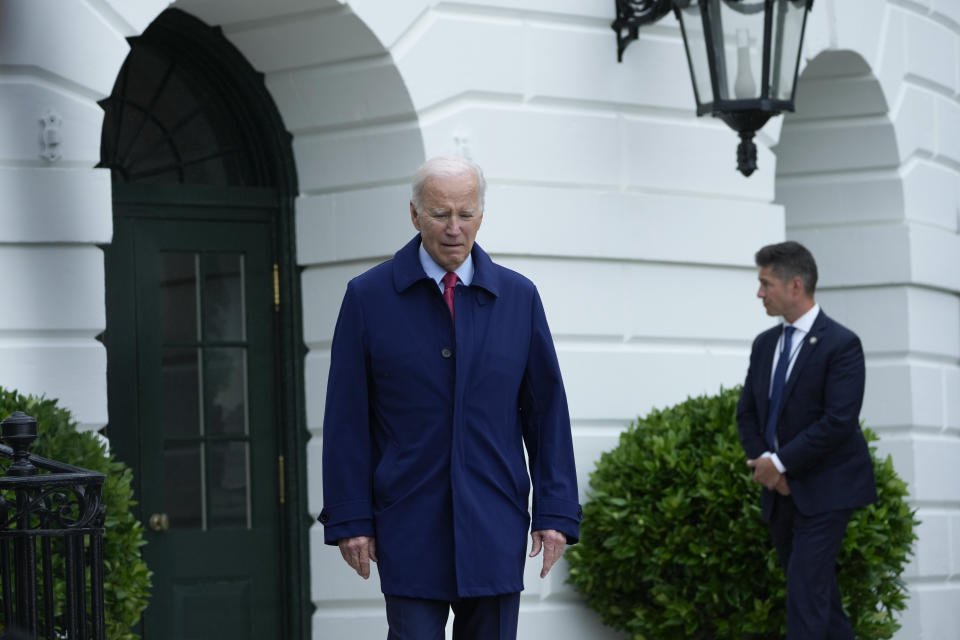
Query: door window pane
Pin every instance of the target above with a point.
(225, 390)
(183, 470)
(223, 304)
(180, 376)
(178, 297)
(229, 485)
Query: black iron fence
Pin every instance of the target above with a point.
(51, 542)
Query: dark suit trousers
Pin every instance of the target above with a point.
(808, 548)
(485, 618)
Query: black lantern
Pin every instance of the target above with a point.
(743, 57)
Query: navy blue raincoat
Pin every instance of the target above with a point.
(426, 423)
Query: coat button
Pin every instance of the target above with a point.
(445, 352)
(324, 517)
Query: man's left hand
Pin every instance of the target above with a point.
(552, 542)
(765, 472)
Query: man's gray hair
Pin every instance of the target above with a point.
(445, 167)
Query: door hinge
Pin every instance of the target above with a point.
(276, 287)
(281, 477)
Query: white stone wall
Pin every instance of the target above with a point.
(60, 57)
(604, 188)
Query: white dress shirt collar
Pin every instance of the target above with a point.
(805, 322)
(435, 272)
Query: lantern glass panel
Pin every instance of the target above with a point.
(741, 25)
(694, 40)
(788, 21)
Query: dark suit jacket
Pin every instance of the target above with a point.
(826, 457)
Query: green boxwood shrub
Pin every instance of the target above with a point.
(673, 545)
(126, 578)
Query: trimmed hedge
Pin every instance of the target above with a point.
(673, 545)
(126, 578)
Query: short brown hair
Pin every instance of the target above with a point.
(788, 260)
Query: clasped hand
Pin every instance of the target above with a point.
(766, 473)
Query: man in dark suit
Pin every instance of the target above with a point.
(442, 373)
(798, 420)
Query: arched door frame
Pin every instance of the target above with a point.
(275, 167)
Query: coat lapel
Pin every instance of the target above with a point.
(813, 339)
(484, 275)
(407, 269)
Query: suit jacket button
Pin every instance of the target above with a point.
(445, 352)
(324, 517)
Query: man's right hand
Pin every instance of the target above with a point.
(782, 487)
(358, 552)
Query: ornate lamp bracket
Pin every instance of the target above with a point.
(632, 14)
(50, 123)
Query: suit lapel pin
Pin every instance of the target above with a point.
(813, 339)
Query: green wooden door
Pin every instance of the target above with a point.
(204, 371)
(200, 319)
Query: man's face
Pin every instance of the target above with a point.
(449, 219)
(775, 293)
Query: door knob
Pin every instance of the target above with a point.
(159, 522)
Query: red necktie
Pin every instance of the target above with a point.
(449, 284)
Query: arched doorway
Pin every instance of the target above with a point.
(838, 178)
(203, 341)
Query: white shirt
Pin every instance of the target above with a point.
(801, 327)
(436, 272)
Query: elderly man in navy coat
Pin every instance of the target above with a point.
(798, 420)
(442, 373)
